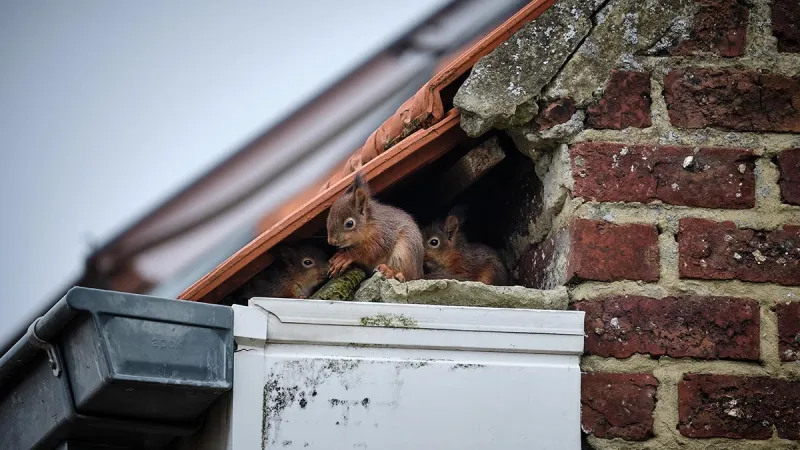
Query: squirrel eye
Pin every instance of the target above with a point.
(349, 223)
(308, 263)
(434, 242)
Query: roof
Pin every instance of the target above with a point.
(422, 129)
(279, 170)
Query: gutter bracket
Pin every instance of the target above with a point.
(37, 342)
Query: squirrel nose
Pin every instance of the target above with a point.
(331, 240)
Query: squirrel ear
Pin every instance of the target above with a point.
(459, 211)
(359, 183)
(360, 194)
(451, 227)
(361, 197)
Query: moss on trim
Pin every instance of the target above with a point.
(389, 320)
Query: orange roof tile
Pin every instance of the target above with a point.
(418, 133)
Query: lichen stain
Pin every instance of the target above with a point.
(276, 398)
(389, 320)
(283, 388)
(466, 366)
(411, 365)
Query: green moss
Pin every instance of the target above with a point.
(389, 320)
(408, 129)
(341, 287)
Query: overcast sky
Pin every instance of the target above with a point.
(107, 107)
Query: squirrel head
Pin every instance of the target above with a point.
(349, 215)
(442, 239)
(306, 264)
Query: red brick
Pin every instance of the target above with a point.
(618, 405)
(789, 331)
(603, 251)
(738, 407)
(719, 27)
(716, 177)
(732, 99)
(786, 25)
(625, 103)
(684, 327)
(539, 266)
(555, 113)
(789, 165)
(593, 250)
(720, 251)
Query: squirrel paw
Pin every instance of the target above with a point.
(389, 273)
(385, 270)
(338, 263)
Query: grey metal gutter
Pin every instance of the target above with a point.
(36, 339)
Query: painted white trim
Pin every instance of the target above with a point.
(435, 327)
(248, 328)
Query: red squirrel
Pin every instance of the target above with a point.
(449, 255)
(297, 271)
(376, 236)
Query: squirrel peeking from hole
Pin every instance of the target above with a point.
(378, 237)
(448, 254)
(296, 273)
(373, 235)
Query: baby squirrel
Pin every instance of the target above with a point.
(298, 269)
(376, 236)
(448, 255)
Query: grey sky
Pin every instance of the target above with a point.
(106, 107)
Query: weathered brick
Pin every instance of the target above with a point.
(544, 265)
(625, 102)
(719, 251)
(738, 407)
(554, 113)
(603, 251)
(719, 27)
(786, 25)
(732, 99)
(789, 331)
(712, 178)
(789, 166)
(618, 405)
(592, 250)
(693, 327)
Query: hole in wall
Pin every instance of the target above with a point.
(499, 204)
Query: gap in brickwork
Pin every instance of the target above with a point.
(498, 205)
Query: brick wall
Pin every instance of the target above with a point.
(679, 235)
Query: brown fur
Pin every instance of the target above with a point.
(289, 276)
(454, 258)
(382, 237)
